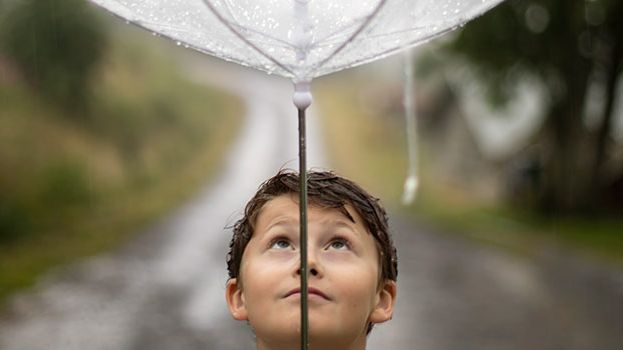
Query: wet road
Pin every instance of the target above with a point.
(165, 289)
(457, 294)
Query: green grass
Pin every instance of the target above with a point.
(73, 186)
(522, 232)
(368, 146)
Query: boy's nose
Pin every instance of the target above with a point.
(312, 271)
(312, 265)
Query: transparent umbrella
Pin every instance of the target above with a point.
(299, 40)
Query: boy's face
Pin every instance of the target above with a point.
(344, 290)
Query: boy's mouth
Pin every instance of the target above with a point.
(311, 291)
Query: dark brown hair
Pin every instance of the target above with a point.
(326, 190)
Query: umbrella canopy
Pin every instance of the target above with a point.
(298, 39)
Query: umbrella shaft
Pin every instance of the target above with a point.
(303, 227)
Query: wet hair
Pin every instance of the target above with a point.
(325, 189)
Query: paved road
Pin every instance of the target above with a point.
(165, 289)
(455, 294)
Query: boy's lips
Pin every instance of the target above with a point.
(310, 291)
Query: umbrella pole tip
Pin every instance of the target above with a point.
(302, 95)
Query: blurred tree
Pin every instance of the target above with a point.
(56, 44)
(574, 48)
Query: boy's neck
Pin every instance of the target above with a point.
(359, 345)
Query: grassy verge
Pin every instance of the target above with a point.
(369, 147)
(73, 186)
(363, 145)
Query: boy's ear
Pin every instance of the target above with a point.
(235, 300)
(386, 299)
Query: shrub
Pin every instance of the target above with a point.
(56, 44)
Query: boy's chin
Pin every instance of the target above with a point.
(322, 335)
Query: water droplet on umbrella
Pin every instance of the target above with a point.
(277, 31)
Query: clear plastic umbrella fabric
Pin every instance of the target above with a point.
(298, 39)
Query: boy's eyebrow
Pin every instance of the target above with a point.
(342, 223)
(289, 222)
(283, 221)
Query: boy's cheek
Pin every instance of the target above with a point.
(263, 274)
(271, 257)
(354, 269)
(272, 262)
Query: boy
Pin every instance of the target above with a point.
(352, 264)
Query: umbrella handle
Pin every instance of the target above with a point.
(302, 99)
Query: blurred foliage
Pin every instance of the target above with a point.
(64, 183)
(57, 45)
(572, 48)
(14, 219)
(73, 187)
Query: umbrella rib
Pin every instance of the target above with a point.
(232, 14)
(329, 43)
(239, 25)
(408, 30)
(355, 34)
(340, 30)
(395, 49)
(229, 5)
(281, 41)
(245, 40)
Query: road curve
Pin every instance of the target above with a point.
(166, 289)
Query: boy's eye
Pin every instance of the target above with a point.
(339, 244)
(280, 243)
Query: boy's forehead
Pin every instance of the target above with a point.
(285, 208)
